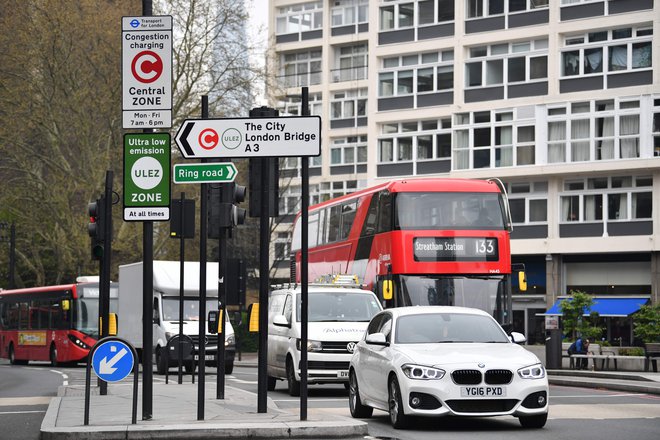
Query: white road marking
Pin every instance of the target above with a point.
(20, 412)
(24, 401)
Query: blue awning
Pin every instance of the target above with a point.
(606, 307)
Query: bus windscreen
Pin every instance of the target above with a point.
(448, 210)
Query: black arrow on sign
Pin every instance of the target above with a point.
(183, 139)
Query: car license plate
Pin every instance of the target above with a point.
(483, 391)
(208, 357)
(342, 373)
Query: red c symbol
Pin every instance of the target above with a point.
(147, 66)
(208, 139)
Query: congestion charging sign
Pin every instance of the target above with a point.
(147, 164)
(147, 72)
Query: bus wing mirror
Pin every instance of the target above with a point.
(522, 281)
(66, 305)
(387, 289)
(253, 318)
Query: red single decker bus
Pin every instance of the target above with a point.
(59, 324)
(429, 241)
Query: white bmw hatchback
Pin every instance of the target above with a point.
(436, 361)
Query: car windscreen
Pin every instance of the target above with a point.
(448, 328)
(340, 307)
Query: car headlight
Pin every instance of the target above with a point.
(535, 371)
(422, 372)
(231, 340)
(311, 345)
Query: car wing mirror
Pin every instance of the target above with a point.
(376, 339)
(281, 321)
(517, 338)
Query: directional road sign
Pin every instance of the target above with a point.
(204, 172)
(147, 71)
(250, 137)
(112, 361)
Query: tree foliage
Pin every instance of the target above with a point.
(647, 323)
(574, 321)
(60, 102)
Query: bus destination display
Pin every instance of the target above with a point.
(455, 249)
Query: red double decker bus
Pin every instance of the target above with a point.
(434, 241)
(59, 324)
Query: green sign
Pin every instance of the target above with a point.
(147, 164)
(205, 173)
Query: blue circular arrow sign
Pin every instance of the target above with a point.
(112, 361)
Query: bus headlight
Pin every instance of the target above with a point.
(78, 342)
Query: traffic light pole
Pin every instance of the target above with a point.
(105, 264)
(303, 268)
(203, 221)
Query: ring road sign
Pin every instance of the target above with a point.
(147, 163)
(250, 137)
(204, 172)
(112, 361)
(147, 71)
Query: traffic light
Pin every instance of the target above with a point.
(96, 226)
(223, 210)
(257, 181)
(237, 213)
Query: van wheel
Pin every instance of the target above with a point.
(53, 356)
(271, 383)
(292, 384)
(229, 367)
(161, 368)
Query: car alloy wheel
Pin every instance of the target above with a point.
(397, 417)
(358, 410)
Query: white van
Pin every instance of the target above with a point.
(166, 284)
(338, 317)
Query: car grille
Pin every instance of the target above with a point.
(498, 377)
(481, 406)
(335, 347)
(327, 365)
(210, 340)
(466, 377)
(473, 377)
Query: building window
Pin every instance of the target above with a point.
(349, 150)
(435, 11)
(418, 73)
(298, 18)
(397, 16)
(656, 127)
(613, 50)
(415, 141)
(282, 246)
(351, 63)
(585, 131)
(348, 104)
(487, 8)
(507, 63)
(301, 68)
(609, 199)
(528, 202)
(494, 139)
(347, 12)
(291, 105)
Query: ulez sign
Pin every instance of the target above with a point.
(147, 164)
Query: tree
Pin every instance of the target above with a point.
(646, 323)
(60, 95)
(574, 322)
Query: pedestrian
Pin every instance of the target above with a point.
(581, 346)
